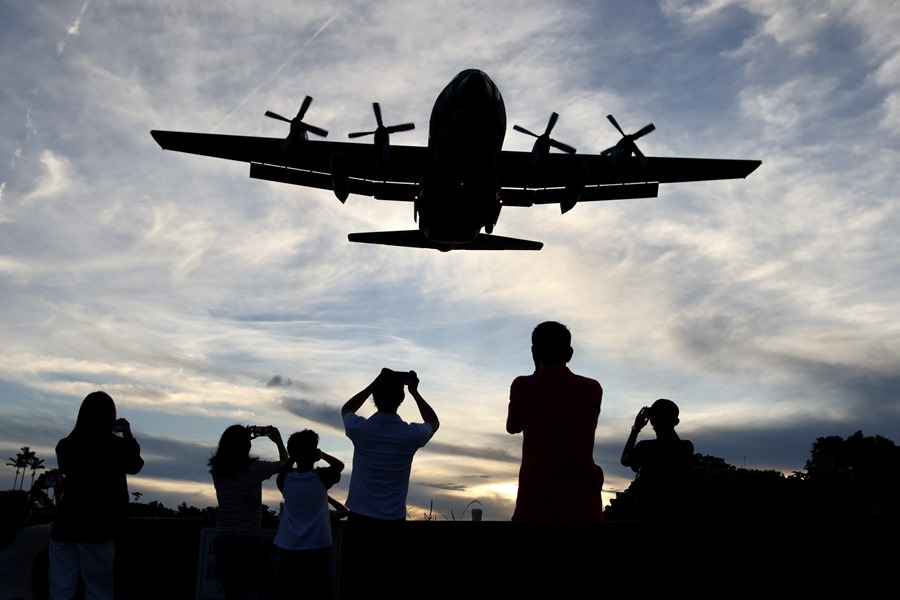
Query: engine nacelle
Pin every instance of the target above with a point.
(575, 187)
(339, 179)
(538, 151)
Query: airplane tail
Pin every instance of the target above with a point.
(416, 239)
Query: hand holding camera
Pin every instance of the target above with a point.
(261, 431)
(122, 426)
(642, 418)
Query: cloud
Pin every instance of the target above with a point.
(72, 30)
(279, 381)
(182, 286)
(58, 177)
(315, 412)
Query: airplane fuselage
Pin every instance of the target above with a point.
(459, 194)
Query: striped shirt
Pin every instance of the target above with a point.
(240, 498)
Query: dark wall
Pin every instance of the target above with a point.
(158, 558)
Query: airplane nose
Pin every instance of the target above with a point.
(475, 89)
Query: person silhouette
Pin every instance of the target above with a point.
(384, 446)
(556, 411)
(304, 531)
(238, 547)
(383, 449)
(559, 506)
(663, 468)
(94, 501)
(662, 464)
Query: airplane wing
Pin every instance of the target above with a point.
(566, 178)
(558, 179)
(315, 163)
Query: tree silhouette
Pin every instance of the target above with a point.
(35, 464)
(857, 477)
(14, 463)
(21, 462)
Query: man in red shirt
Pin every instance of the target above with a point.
(556, 411)
(558, 507)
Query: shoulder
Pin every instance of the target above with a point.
(421, 428)
(353, 420)
(264, 468)
(520, 386)
(642, 449)
(523, 381)
(587, 382)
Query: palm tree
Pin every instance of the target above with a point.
(27, 455)
(34, 463)
(14, 463)
(21, 462)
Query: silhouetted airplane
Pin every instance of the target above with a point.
(459, 183)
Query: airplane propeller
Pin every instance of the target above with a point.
(544, 139)
(627, 142)
(381, 129)
(297, 124)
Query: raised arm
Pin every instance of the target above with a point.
(331, 460)
(355, 403)
(133, 463)
(639, 422)
(428, 414)
(275, 436)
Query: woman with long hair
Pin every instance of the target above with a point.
(304, 533)
(94, 501)
(238, 477)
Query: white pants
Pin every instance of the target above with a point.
(89, 561)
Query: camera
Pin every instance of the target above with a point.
(257, 430)
(392, 377)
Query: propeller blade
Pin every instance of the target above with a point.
(381, 128)
(273, 115)
(551, 123)
(612, 120)
(303, 107)
(564, 147)
(525, 131)
(626, 144)
(377, 108)
(644, 131)
(316, 130)
(403, 127)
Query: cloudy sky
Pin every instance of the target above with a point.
(197, 297)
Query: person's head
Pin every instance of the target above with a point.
(387, 393)
(664, 414)
(303, 447)
(233, 451)
(551, 343)
(97, 415)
